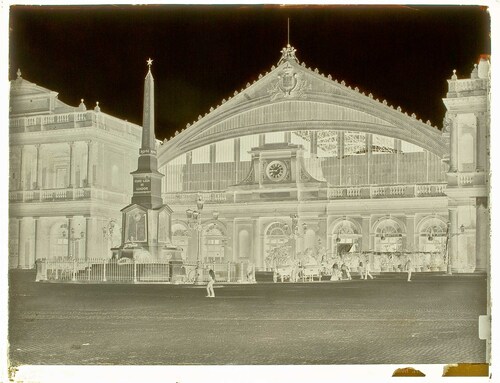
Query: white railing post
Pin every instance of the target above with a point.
(74, 270)
(229, 271)
(104, 272)
(135, 271)
(88, 271)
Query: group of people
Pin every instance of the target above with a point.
(364, 271)
(344, 272)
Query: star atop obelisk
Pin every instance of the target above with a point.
(149, 62)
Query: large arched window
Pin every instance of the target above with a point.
(388, 236)
(432, 236)
(213, 244)
(345, 238)
(277, 249)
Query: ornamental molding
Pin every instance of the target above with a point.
(289, 84)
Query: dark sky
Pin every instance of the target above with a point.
(202, 54)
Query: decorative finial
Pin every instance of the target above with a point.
(97, 109)
(454, 77)
(288, 53)
(18, 73)
(82, 105)
(474, 73)
(149, 62)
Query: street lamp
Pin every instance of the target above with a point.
(195, 225)
(450, 235)
(74, 239)
(295, 230)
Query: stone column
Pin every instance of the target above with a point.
(288, 137)
(21, 172)
(257, 256)
(35, 230)
(71, 160)
(37, 166)
(366, 234)
(482, 234)
(481, 142)
(453, 237)
(88, 222)
(89, 163)
(453, 143)
(410, 232)
(19, 241)
(70, 226)
(313, 137)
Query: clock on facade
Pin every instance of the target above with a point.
(276, 170)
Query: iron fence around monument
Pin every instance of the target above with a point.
(128, 270)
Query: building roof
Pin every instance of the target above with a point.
(294, 97)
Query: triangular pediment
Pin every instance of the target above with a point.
(28, 98)
(22, 87)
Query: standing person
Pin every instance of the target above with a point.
(361, 270)
(409, 268)
(367, 270)
(346, 272)
(210, 284)
(250, 275)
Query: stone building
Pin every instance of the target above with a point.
(69, 170)
(296, 166)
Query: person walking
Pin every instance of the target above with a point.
(409, 268)
(210, 284)
(361, 270)
(367, 271)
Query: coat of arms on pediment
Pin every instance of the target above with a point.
(289, 84)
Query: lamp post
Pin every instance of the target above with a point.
(74, 240)
(295, 231)
(450, 235)
(195, 225)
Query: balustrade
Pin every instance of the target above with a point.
(71, 120)
(191, 197)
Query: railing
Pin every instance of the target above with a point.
(467, 179)
(387, 191)
(67, 194)
(467, 85)
(129, 271)
(213, 197)
(74, 120)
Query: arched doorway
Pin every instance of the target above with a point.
(346, 237)
(213, 244)
(276, 246)
(389, 245)
(431, 245)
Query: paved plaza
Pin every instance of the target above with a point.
(433, 319)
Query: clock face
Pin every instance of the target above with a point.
(276, 171)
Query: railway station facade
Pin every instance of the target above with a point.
(296, 166)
